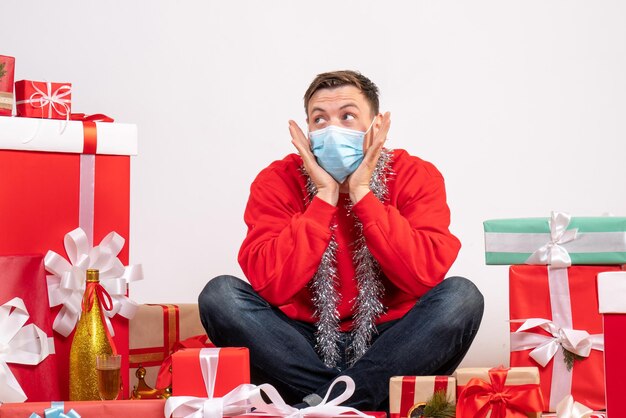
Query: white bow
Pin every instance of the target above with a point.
(19, 344)
(576, 341)
(66, 285)
(235, 402)
(327, 408)
(552, 253)
(246, 397)
(567, 408)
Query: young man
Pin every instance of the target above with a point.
(346, 252)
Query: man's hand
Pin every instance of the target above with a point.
(327, 187)
(359, 181)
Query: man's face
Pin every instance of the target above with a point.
(344, 106)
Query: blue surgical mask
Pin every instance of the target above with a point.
(338, 150)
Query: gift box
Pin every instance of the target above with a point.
(558, 241)
(50, 184)
(42, 99)
(552, 309)
(224, 368)
(407, 391)
(155, 332)
(86, 409)
(612, 304)
(498, 392)
(7, 71)
(24, 277)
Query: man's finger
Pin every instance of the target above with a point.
(302, 145)
(296, 132)
(381, 135)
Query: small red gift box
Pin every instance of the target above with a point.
(152, 408)
(218, 369)
(7, 70)
(562, 305)
(41, 99)
(612, 304)
(498, 393)
(407, 391)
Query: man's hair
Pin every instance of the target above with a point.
(336, 79)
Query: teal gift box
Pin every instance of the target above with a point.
(559, 241)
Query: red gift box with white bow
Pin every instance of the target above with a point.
(42, 99)
(56, 176)
(28, 369)
(552, 309)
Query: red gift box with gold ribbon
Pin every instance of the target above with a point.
(43, 99)
(156, 331)
(407, 391)
(552, 309)
(49, 186)
(498, 393)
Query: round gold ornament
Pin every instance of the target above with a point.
(417, 410)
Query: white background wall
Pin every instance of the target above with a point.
(521, 105)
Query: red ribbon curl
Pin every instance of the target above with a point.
(90, 132)
(95, 291)
(480, 397)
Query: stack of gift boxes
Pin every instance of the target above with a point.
(559, 346)
(64, 198)
(555, 318)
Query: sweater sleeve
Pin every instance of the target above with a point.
(410, 238)
(285, 242)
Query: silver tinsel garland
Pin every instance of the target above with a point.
(368, 306)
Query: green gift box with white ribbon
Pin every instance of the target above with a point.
(559, 241)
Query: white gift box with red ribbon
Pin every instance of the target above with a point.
(49, 135)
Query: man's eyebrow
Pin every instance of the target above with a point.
(349, 105)
(319, 109)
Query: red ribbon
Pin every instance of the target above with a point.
(97, 117)
(441, 384)
(164, 377)
(90, 133)
(95, 291)
(480, 397)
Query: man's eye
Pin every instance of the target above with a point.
(348, 116)
(319, 120)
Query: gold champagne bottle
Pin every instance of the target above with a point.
(90, 340)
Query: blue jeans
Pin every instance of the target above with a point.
(431, 339)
